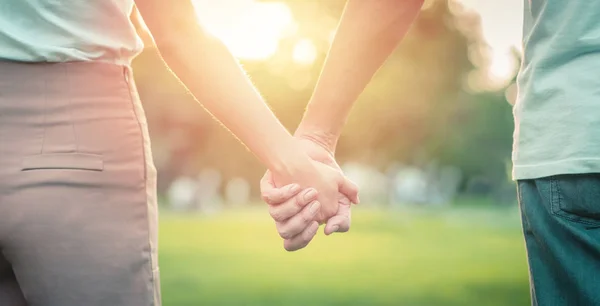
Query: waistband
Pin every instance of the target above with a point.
(20, 79)
(10, 70)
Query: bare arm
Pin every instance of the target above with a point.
(367, 34)
(207, 68)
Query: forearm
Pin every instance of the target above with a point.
(367, 34)
(215, 78)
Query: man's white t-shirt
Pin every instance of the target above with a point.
(557, 113)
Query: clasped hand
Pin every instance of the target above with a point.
(319, 194)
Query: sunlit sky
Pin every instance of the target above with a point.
(252, 29)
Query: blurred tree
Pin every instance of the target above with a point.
(480, 140)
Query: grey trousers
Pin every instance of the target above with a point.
(78, 214)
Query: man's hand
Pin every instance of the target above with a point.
(290, 206)
(328, 181)
(317, 149)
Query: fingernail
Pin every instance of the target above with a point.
(310, 195)
(335, 228)
(294, 188)
(314, 207)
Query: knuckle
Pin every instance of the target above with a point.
(266, 197)
(285, 234)
(299, 200)
(308, 236)
(276, 214)
(307, 217)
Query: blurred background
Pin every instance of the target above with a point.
(428, 142)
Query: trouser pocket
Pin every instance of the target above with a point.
(63, 141)
(576, 197)
(72, 161)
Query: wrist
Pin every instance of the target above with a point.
(327, 140)
(286, 163)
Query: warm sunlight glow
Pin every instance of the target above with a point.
(250, 29)
(502, 23)
(305, 52)
(502, 66)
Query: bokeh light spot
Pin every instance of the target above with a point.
(250, 29)
(305, 52)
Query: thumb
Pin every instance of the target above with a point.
(349, 189)
(340, 222)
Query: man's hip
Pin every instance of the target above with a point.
(561, 224)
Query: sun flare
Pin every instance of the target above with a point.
(252, 30)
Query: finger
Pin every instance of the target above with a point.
(298, 223)
(273, 195)
(342, 199)
(339, 223)
(268, 178)
(350, 190)
(300, 241)
(291, 207)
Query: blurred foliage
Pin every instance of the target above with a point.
(480, 144)
(427, 102)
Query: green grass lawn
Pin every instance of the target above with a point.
(461, 256)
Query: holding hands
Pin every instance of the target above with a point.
(368, 32)
(316, 194)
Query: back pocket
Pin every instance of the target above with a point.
(73, 161)
(577, 197)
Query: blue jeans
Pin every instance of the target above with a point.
(561, 224)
